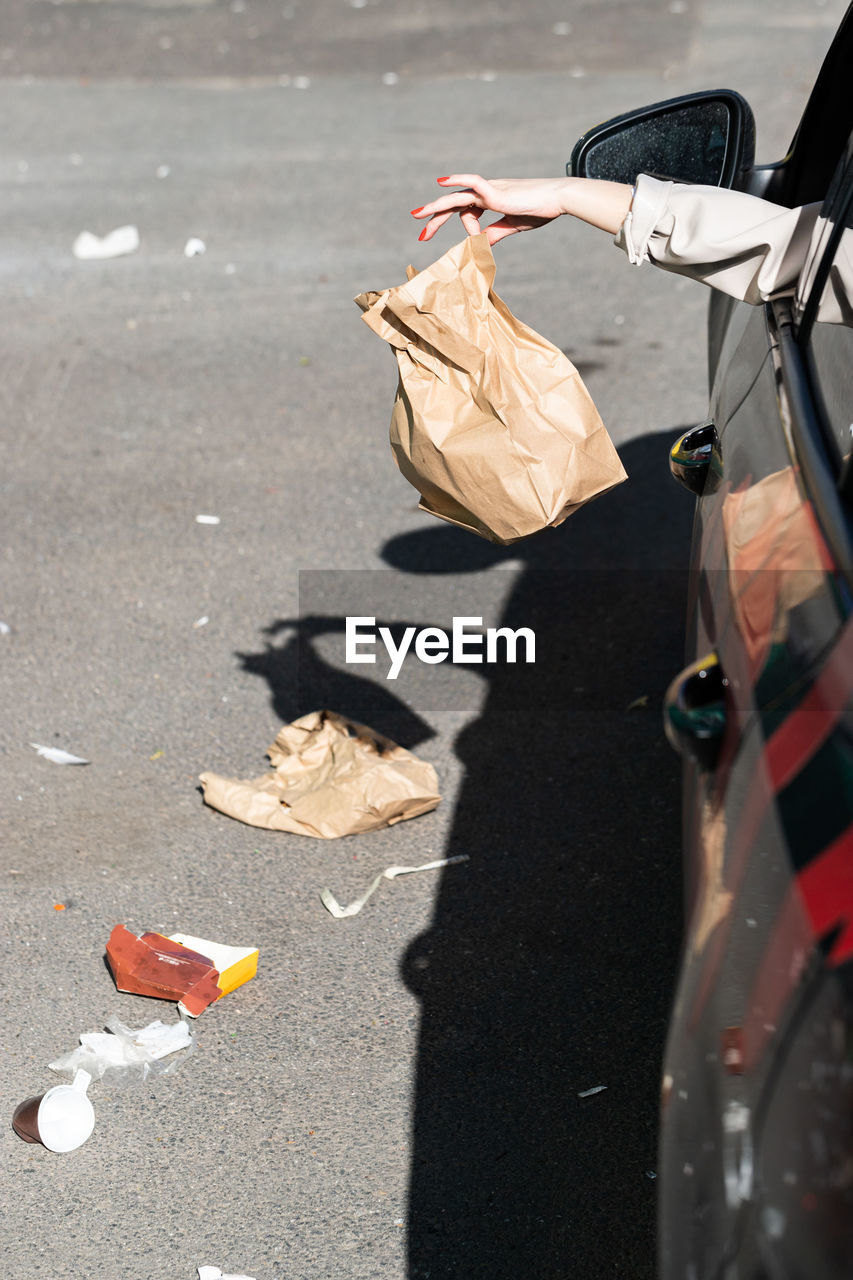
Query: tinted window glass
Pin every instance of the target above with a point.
(829, 335)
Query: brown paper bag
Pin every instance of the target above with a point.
(492, 423)
(332, 777)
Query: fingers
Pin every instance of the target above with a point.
(468, 203)
(500, 230)
(454, 202)
(436, 221)
(473, 180)
(476, 191)
(471, 221)
(476, 197)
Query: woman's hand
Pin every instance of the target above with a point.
(525, 203)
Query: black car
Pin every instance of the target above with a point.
(756, 1144)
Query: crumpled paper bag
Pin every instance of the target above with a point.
(332, 777)
(492, 423)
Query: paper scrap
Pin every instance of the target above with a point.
(331, 777)
(207, 519)
(116, 244)
(213, 1273)
(58, 756)
(163, 171)
(5, 629)
(194, 247)
(201, 622)
(587, 1093)
(332, 905)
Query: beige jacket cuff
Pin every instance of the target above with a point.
(738, 243)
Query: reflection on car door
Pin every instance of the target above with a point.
(757, 1136)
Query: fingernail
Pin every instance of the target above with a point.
(423, 234)
(417, 211)
(441, 179)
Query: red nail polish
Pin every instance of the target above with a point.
(416, 211)
(441, 179)
(423, 233)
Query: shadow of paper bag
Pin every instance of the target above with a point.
(331, 777)
(492, 423)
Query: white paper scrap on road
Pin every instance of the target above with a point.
(213, 1273)
(207, 519)
(57, 756)
(201, 622)
(5, 629)
(334, 908)
(116, 244)
(194, 247)
(597, 1088)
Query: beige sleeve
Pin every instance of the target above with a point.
(740, 244)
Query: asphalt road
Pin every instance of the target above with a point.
(395, 1096)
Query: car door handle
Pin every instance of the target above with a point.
(695, 711)
(696, 460)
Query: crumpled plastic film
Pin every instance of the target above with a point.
(120, 1055)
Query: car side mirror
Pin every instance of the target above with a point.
(700, 137)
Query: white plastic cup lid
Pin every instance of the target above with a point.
(66, 1118)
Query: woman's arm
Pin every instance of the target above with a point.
(525, 203)
(735, 242)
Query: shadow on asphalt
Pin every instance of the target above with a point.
(550, 964)
(300, 680)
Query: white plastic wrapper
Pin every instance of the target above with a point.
(213, 1273)
(57, 756)
(88, 247)
(122, 1056)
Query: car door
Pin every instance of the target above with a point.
(757, 1122)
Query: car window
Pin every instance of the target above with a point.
(832, 212)
(805, 176)
(824, 309)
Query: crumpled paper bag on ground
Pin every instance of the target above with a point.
(332, 777)
(492, 423)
